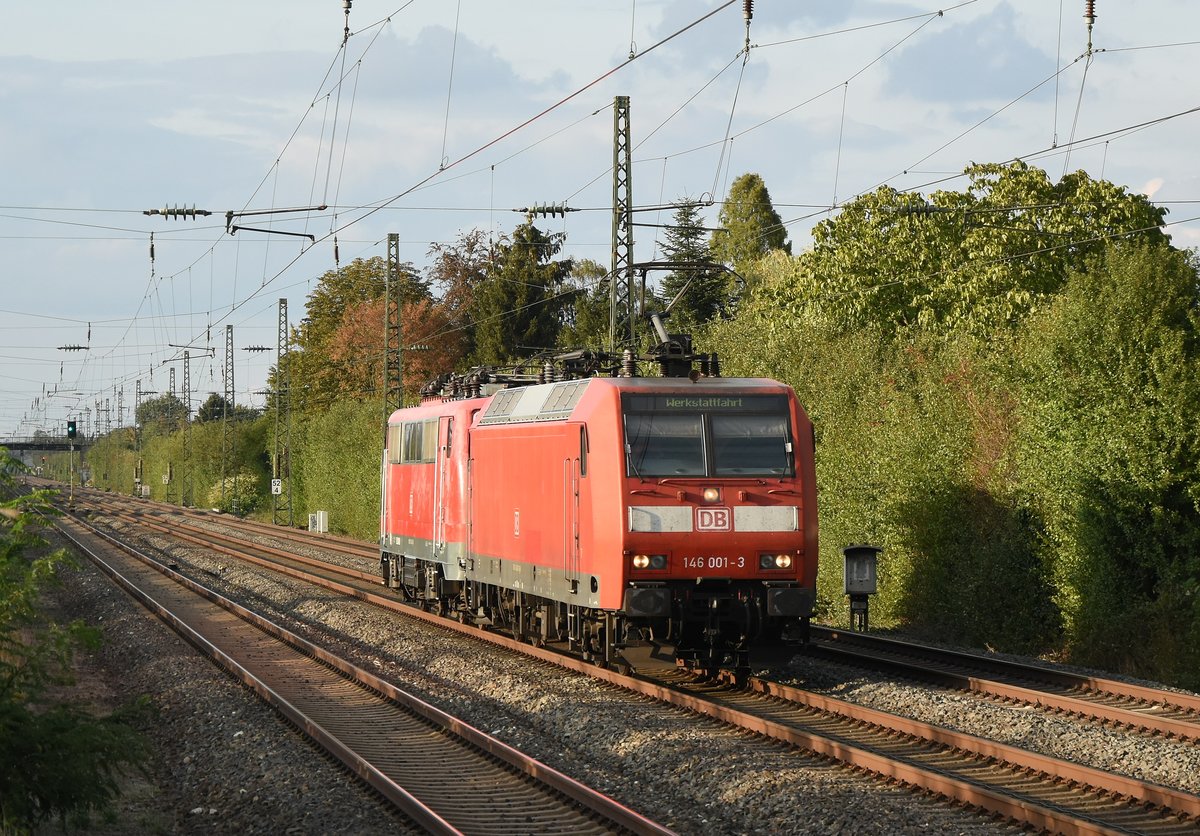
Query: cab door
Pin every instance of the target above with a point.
(574, 469)
(442, 481)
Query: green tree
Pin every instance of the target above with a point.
(586, 318)
(166, 413)
(701, 294)
(216, 409)
(968, 262)
(56, 759)
(517, 308)
(315, 377)
(240, 494)
(749, 225)
(457, 270)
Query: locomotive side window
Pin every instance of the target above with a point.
(418, 441)
(394, 444)
(707, 435)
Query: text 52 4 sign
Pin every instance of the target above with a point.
(713, 519)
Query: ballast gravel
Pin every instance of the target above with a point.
(226, 763)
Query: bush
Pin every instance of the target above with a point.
(912, 446)
(56, 760)
(240, 494)
(1110, 455)
(339, 452)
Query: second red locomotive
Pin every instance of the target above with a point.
(608, 511)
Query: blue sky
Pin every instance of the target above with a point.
(110, 109)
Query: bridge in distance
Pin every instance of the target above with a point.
(44, 443)
(27, 448)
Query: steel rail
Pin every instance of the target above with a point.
(622, 818)
(1086, 698)
(1141, 791)
(934, 780)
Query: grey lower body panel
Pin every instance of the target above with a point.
(556, 584)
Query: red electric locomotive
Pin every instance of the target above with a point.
(608, 512)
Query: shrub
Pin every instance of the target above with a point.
(56, 760)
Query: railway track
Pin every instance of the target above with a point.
(1007, 782)
(1151, 710)
(446, 775)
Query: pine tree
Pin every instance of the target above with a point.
(517, 309)
(702, 293)
(749, 225)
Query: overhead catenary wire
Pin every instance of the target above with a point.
(725, 143)
(665, 160)
(211, 251)
(450, 81)
(373, 208)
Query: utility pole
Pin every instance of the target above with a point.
(393, 331)
(185, 494)
(281, 484)
(137, 440)
(228, 436)
(139, 485)
(622, 323)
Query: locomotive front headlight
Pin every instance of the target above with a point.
(649, 561)
(711, 495)
(775, 561)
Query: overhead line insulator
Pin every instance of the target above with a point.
(546, 210)
(178, 212)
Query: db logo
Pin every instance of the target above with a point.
(712, 519)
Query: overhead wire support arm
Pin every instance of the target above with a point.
(232, 229)
(236, 229)
(207, 349)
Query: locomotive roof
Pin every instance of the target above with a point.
(556, 401)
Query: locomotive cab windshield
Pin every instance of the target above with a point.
(707, 435)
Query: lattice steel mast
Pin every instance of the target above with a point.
(281, 502)
(622, 320)
(393, 297)
(228, 436)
